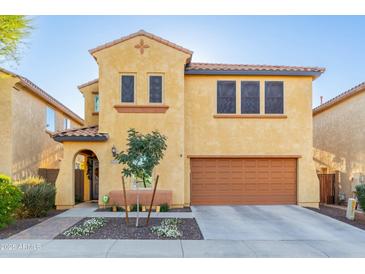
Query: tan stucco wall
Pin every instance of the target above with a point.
(124, 58)
(25, 144)
(339, 140)
(188, 123)
(91, 119)
(206, 135)
(6, 89)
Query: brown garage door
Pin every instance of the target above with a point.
(219, 181)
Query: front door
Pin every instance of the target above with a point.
(95, 180)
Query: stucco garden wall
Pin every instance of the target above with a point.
(339, 140)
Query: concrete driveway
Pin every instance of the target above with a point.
(281, 231)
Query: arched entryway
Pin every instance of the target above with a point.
(86, 176)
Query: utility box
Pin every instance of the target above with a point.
(351, 207)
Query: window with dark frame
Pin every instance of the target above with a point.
(226, 97)
(274, 97)
(127, 91)
(250, 97)
(155, 85)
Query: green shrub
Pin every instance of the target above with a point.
(31, 180)
(86, 228)
(169, 228)
(360, 193)
(164, 207)
(10, 200)
(4, 179)
(37, 200)
(134, 207)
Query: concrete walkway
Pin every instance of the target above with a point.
(48, 229)
(179, 249)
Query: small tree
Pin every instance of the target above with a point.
(13, 30)
(143, 153)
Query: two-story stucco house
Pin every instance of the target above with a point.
(339, 139)
(28, 117)
(237, 134)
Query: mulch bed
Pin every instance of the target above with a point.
(23, 224)
(116, 228)
(340, 215)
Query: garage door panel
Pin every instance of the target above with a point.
(243, 181)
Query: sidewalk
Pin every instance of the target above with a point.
(178, 249)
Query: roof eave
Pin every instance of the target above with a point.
(339, 99)
(62, 139)
(147, 35)
(314, 74)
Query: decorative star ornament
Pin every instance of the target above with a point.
(141, 46)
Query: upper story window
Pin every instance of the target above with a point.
(274, 97)
(50, 119)
(250, 97)
(155, 88)
(96, 103)
(66, 123)
(226, 97)
(127, 86)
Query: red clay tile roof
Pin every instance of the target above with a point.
(141, 33)
(45, 96)
(244, 67)
(80, 134)
(88, 83)
(340, 98)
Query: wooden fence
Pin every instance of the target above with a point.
(49, 175)
(327, 188)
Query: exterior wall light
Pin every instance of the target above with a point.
(114, 151)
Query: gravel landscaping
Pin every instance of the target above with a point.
(23, 224)
(340, 214)
(116, 228)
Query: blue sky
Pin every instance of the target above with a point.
(57, 57)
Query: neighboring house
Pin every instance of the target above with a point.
(237, 134)
(339, 138)
(28, 116)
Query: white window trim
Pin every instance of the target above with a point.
(134, 91)
(66, 123)
(55, 126)
(162, 91)
(97, 95)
